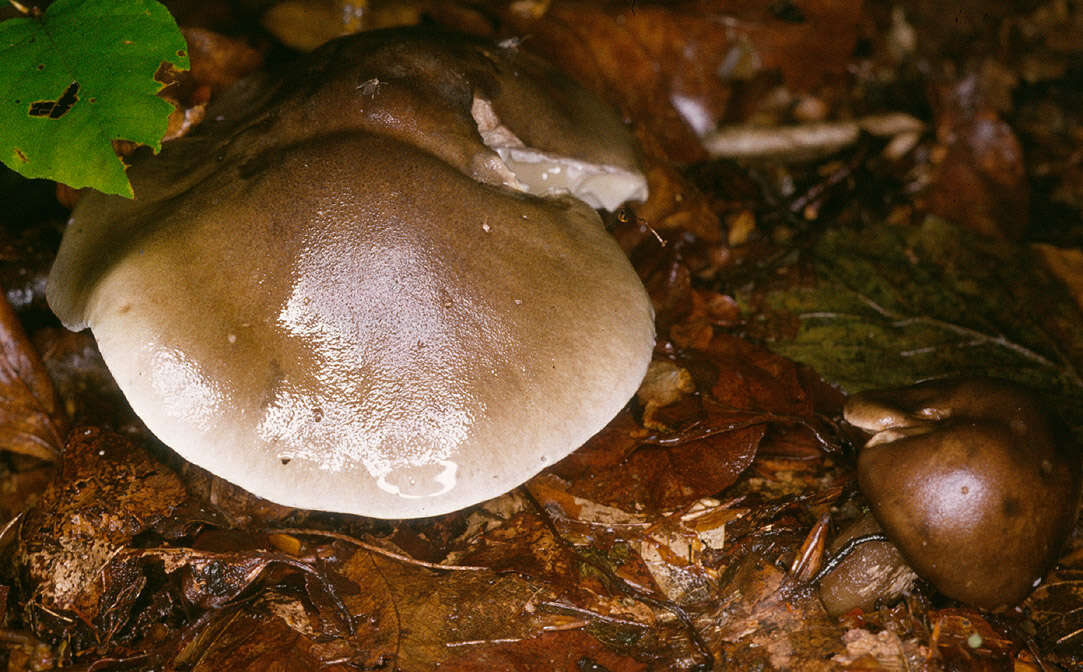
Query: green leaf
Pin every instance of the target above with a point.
(79, 77)
(889, 305)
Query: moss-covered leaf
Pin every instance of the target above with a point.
(889, 305)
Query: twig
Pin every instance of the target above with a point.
(817, 190)
(803, 140)
(378, 550)
(479, 642)
(10, 525)
(559, 606)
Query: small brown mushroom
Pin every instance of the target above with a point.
(974, 480)
(375, 282)
(874, 572)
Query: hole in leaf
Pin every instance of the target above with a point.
(54, 109)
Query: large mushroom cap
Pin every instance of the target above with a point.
(973, 479)
(338, 297)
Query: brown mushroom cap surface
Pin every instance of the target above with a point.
(973, 479)
(337, 296)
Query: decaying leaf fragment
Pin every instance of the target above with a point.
(106, 492)
(706, 439)
(357, 608)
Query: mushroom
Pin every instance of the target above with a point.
(975, 481)
(356, 287)
(872, 572)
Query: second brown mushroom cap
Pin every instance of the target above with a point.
(973, 479)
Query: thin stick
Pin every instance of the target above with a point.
(377, 550)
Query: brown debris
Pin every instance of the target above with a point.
(979, 179)
(106, 492)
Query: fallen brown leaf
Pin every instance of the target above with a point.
(768, 621)
(271, 634)
(31, 420)
(980, 181)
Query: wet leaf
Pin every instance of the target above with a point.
(710, 437)
(31, 420)
(263, 638)
(965, 638)
(85, 387)
(218, 61)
